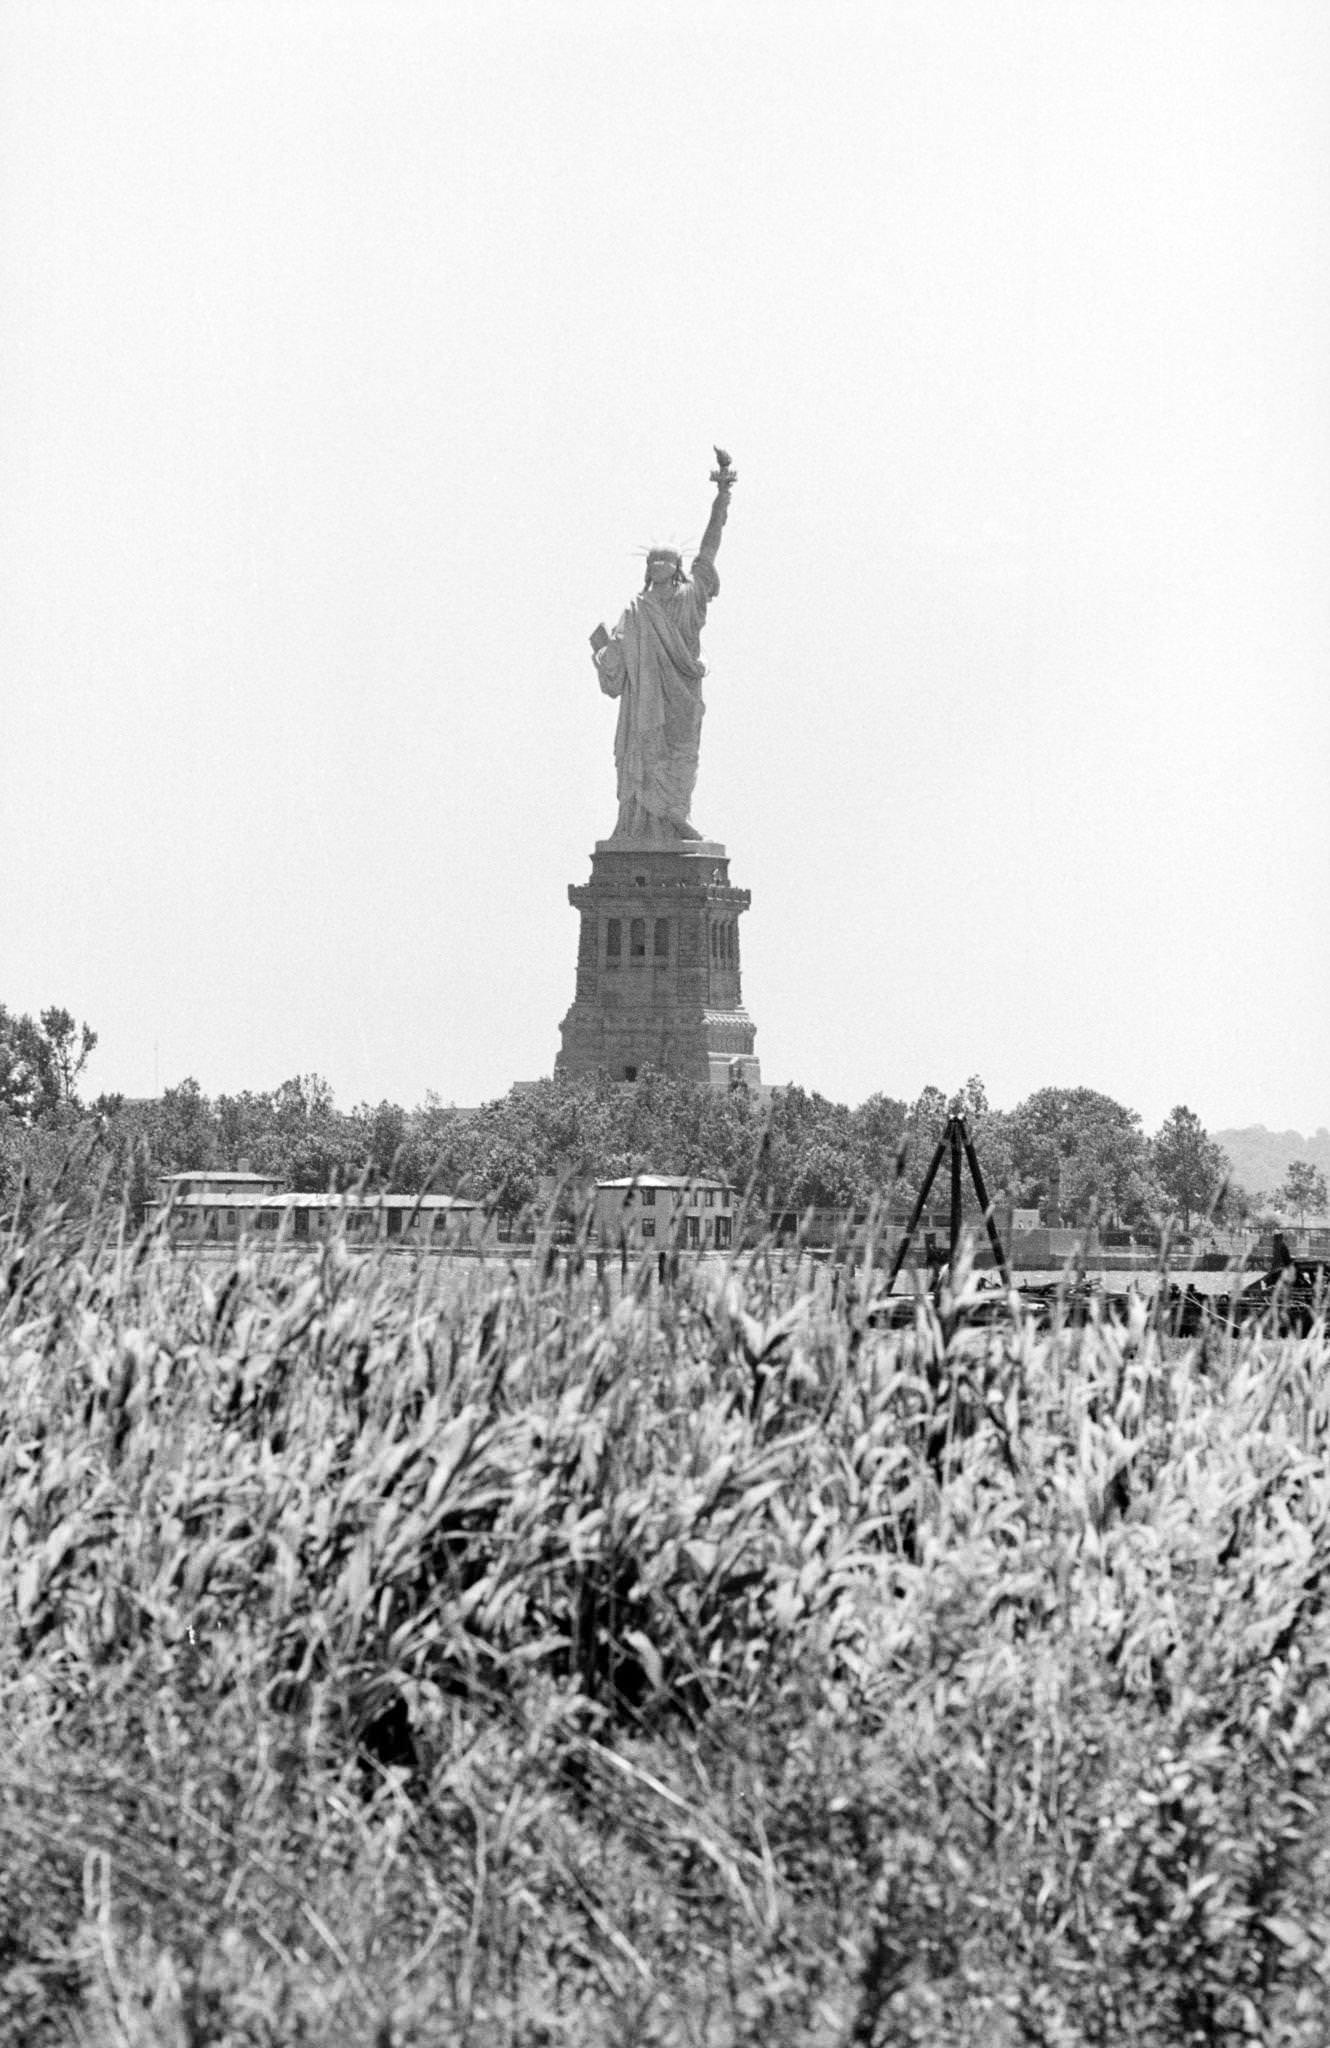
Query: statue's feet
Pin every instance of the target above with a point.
(650, 828)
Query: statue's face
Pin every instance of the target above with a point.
(661, 569)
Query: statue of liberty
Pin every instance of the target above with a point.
(651, 664)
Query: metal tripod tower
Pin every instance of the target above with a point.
(955, 1140)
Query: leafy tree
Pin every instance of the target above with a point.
(20, 1068)
(822, 1176)
(925, 1121)
(320, 1147)
(438, 1146)
(878, 1128)
(50, 1161)
(808, 1161)
(508, 1173)
(381, 1145)
(1304, 1188)
(183, 1130)
(40, 1064)
(1079, 1154)
(296, 1132)
(1190, 1166)
(725, 1135)
(1236, 1205)
(70, 1047)
(245, 1133)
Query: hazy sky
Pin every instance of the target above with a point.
(349, 352)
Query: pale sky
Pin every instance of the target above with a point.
(348, 353)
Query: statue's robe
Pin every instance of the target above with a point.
(652, 666)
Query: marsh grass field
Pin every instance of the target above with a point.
(488, 1655)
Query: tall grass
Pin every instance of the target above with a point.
(396, 1656)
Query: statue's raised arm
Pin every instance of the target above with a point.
(723, 477)
(652, 664)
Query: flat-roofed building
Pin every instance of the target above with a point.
(217, 1208)
(661, 1210)
(208, 1205)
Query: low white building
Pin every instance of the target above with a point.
(220, 1208)
(211, 1205)
(665, 1210)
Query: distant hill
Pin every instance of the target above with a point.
(1261, 1158)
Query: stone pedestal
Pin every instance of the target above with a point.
(658, 966)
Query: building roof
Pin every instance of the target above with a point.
(235, 1198)
(664, 1180)
(351, 1200)
(239, 1180)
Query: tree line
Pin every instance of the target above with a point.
(1074, 1154)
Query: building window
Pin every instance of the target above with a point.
(709, 1199)
(649, 1197)
(648, 1226)
(613, 941)
(440, 1222)
(637, 939)
(694, 1230)
(661, 947)
(268, 1219)
(723, 1227)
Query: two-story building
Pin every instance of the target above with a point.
(211, 1205)
(664, 1210)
